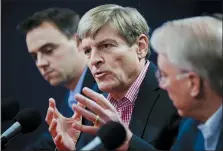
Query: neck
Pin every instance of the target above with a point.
(71, 85)
(121, 91)
(208, 108)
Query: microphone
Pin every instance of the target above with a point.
(26, 121)
(10, 107)
(110, 136)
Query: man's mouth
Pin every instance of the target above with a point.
(99, 74)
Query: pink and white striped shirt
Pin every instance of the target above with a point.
(125, 105)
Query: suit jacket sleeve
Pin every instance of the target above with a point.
(44, 143)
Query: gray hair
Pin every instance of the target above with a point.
(193, 44)
(128, 21)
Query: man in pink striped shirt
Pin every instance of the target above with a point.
(116, 44)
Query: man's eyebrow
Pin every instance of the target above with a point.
(106, 40)
(46, 45)
(86, 46)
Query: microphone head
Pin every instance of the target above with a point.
(10, 107)
(112, 134)
(29, 119)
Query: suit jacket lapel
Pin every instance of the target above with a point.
(144, 102)
(88, 80)
(64, 107)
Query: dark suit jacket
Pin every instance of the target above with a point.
(185, 141)
(45, 142)
(154, 118)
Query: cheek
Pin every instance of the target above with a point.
(179, 95)
(123, 65)
(57, 61)
(175, 92)
(88, 62)
(64, 54)
(120, 71)
(64, 61)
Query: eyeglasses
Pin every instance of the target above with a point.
(165, 81)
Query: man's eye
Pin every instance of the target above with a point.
(87, 51)
(48, 50)
(106, 46)
(163, 74)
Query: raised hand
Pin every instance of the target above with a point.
(102, 112)
(64, 135)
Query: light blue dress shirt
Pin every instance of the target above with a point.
(211, 130)
(71, 99)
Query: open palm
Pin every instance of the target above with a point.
(64, 135)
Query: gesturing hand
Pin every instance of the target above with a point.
(102, 111)
(64, 135)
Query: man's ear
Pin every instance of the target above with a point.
(195, 84)
(143, 44)
(77, 39)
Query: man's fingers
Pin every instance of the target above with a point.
(87, 114)
(59, 142)
(58, 139)
(52, 103)
(77, 115)
(93, 106)
(52, 128)
(98, 98)
(86, 129)
(49, 115)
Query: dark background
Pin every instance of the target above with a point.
(20, 77)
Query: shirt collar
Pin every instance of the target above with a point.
(81, 80)
(213, 124)
(77, 89)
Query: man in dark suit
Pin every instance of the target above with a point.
(191, 70)
(51, 41)
(114, 40)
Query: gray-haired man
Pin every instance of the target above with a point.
(115, 42)
(191, 70)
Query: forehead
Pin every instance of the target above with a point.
(43, 34)
(107, 32)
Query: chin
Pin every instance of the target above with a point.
(54, 82)
(182, 113)
(105, 87)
